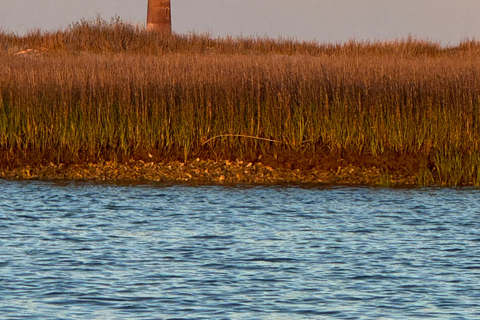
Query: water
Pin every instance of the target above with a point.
(86, 251)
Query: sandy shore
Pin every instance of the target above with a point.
(210, 172)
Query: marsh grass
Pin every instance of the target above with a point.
(111, 91)
(114, 36)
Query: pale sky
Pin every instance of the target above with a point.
(444, 21)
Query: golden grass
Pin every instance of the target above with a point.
(107, 90)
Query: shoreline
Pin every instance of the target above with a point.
(212, 173)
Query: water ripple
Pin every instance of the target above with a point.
(87, 251)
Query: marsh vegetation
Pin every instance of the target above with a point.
(108, 91)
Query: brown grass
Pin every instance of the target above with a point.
(110, 91)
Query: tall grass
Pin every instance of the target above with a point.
(106, 90)
(115, 36)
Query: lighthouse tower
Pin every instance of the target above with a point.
(159, 17)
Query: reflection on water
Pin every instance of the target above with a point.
(85, 251)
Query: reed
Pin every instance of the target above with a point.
(111, 91)
(115, 36)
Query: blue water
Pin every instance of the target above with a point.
(89, 251)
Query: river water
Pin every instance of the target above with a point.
(92, 251)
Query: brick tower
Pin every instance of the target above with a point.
(159, 17)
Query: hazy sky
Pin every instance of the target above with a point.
(446, 21)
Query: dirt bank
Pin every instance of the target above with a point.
(213, 172)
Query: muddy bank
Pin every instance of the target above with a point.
(212, 172)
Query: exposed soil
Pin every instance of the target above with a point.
(389, 170)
